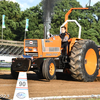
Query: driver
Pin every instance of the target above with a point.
(64, 37)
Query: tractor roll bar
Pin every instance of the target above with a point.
(79, 35)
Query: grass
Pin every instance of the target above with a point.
(1, 69)
(94, 99)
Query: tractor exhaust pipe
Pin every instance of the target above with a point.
(45, 32)
(89, 4)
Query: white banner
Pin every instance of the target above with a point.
(3, 21)
(27, 24)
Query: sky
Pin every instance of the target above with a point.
(24, 4)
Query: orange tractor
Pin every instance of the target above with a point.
(82, 62)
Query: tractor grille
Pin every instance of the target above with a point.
(51, 49)
(30, 43)
(32, 54)
(54, 49)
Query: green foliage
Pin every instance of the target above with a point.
(16, 20)
(86, 18)
(13, 14)
(61, 8)
(34, 14)
(91, 34)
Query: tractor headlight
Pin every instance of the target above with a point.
(26, 49)
(34, 49)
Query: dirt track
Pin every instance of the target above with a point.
(42, 88)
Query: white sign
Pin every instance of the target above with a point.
(27, 24)
(21, 91)
(3, 21)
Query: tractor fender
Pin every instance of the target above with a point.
(72, 42)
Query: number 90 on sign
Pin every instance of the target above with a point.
(22, 83)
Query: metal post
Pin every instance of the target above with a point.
(25, 35)
(2, 34)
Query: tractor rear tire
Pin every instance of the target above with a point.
(13, 73)
(84, 61)
(49, 69)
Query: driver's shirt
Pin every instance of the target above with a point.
(65, 37)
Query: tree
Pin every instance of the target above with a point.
(36, 29)
(86, 18)
(60, 9)
(13, 14)
(91, 34)
(16, 20)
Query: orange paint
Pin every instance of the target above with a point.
(67, 14)
(90, 61)
(53, 42)
(99, 52)
(51, 69)
(72, 42)
(98, 73)
(39, 48)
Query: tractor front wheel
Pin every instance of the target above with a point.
(49, 69)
